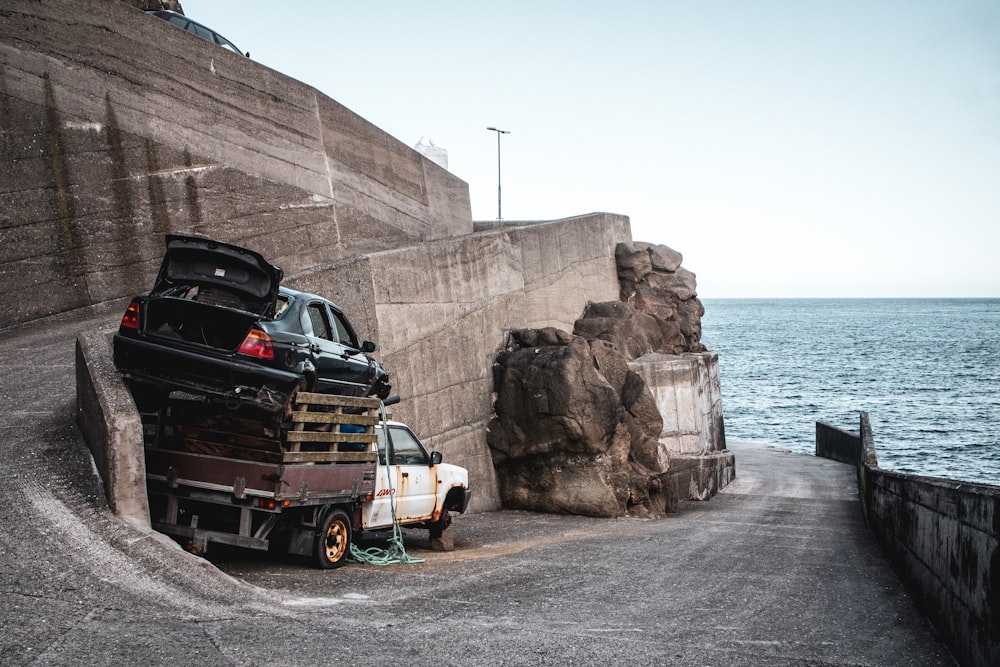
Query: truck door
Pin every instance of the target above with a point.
(412, 477)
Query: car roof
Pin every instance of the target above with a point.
(306, 296)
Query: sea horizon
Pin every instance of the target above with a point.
(923, 368)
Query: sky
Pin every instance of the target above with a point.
(789, 148)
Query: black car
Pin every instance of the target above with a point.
(217, 324)
(206, 33)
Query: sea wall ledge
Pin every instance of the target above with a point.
(940, 535)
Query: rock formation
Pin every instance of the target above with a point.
(576, 430)
(653, 282)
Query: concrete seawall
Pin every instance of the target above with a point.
(118, 128)
(942, 537)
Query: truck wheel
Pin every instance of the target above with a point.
(333, 540)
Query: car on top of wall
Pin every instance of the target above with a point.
(218, 324)
(196, 28)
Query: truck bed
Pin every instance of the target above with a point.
(228, 478)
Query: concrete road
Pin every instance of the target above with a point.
(776, 570)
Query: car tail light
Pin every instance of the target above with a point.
(257, 344)
(130, 320)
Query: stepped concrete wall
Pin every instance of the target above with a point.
(440, 311)
(117, 127)
(942, 536)
(109, 143)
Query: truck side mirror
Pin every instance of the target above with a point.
(367, 347)
(435, 458)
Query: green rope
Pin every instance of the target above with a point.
(396, 552)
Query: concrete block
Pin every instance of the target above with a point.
(111, 426)
(687, 390)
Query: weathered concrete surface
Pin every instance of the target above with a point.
(776, 570)
(942, 535)
(108, 143)
(111, 426)
(106, 149)
(440, 312)
(688, 393)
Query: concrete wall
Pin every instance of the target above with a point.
(942, 536)
(688, 393)
(837, 444)
(118, 127)
(440, 311)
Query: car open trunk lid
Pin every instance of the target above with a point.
(225, 275)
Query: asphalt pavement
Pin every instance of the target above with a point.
(778, 569)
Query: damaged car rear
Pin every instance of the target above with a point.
(218, 324)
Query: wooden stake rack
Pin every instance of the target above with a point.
(332, 429)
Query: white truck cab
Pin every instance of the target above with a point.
(415, 483)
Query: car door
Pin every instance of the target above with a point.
(415, 477)
(340, 368)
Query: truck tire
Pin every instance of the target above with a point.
(333, 540)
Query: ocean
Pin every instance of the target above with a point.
(927, 372)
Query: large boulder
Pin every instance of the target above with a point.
(575, 429)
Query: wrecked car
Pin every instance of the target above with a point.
(217, 324)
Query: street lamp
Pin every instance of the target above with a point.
(499, 132)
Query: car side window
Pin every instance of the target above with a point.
(202, 32)
(343, 332)
(382, 443)
(406, 449)
(317, 317)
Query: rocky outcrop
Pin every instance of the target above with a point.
(653, 282)
(575, 430)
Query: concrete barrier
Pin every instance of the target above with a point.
(110, 424)
(688, 393)
(942, 537)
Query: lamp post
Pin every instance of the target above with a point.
(499, 132)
